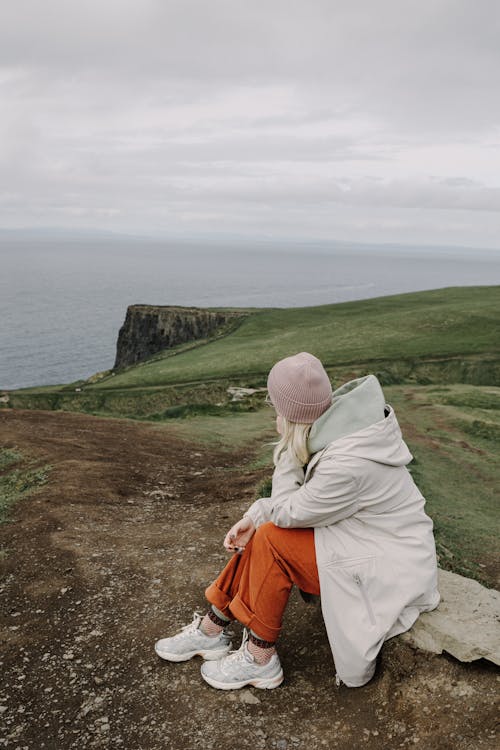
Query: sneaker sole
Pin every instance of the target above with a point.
(263, 683)
(209, 655)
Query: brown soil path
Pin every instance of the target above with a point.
(115, 551)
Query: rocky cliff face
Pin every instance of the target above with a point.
(149, 329)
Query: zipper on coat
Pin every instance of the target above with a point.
(358, 580)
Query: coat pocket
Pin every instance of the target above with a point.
(364, 593)
(359, 571)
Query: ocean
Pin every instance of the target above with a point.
(62, 302)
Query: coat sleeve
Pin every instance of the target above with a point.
(288, 475)
(328, 496)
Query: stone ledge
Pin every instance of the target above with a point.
(465, 624)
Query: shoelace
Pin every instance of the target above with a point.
(192, 626)
(237, 655)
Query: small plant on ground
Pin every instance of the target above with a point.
(18, 481)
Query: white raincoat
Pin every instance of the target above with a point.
(374, 543)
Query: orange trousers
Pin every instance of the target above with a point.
(255, 585)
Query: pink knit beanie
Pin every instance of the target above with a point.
(299, 388)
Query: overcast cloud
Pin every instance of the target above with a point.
(372, 120)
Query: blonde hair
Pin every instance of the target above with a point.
(294, 438)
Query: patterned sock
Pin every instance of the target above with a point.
(213, 622)
(261, 650)
(220, 614)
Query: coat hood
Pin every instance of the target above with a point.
(360, 423)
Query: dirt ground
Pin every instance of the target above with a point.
(115, 551)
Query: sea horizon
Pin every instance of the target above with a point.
(63, 300)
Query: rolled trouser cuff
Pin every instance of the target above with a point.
(237, 609)
(219, 599)
(244, 615)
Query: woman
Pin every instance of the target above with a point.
(344, 521)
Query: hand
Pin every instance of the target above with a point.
(239, 535)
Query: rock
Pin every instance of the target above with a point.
(149, 329)
(91, 704)
(96, 377)
(246, 696)
(464, 624)
(238, 393)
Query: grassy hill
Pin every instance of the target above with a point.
(435, 323)
(449, 335)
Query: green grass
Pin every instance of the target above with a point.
(8, 456)
(475, 399)
(484, 430)
(439, 336)
(436, 323)
(19, 477)
(227, 431)
(456, 469)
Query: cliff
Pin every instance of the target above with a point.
(149, 329)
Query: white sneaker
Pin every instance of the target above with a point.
(192, 641)
(239, 668)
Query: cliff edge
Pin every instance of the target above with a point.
(149, 329)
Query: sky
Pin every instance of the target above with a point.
(306, 119)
